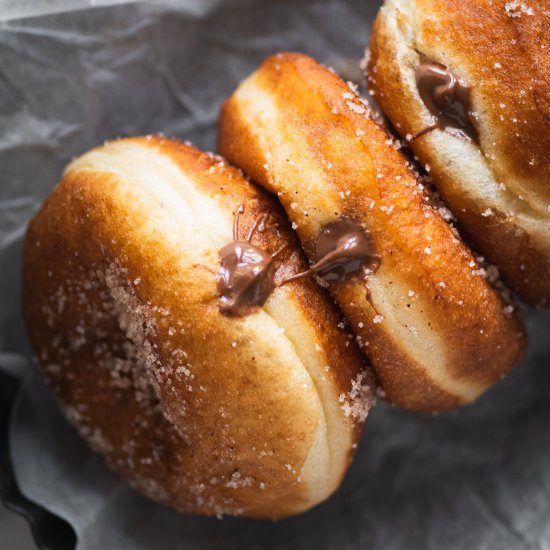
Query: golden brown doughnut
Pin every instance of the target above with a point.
(497, 184)
(436, 332)
(254, 415)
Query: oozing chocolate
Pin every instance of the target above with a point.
(344, 249)
(246, 276)
(447, 100)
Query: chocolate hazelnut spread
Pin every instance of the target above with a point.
(447, 99)
(246, 276)
(344, 249)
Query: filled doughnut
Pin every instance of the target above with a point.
(436, 332)
(467, 83)
(155, 303)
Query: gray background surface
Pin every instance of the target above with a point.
(14, 532)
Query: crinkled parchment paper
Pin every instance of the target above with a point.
(478, 478)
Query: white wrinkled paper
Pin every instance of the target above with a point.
(475, 478)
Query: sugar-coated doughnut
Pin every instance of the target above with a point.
(208, 394)
(436, 332)
(439, 66)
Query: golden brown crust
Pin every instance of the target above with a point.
(436, 332)
(202, 412)
(500, 190)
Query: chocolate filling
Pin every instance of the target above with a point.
(448, 101)
(344, 250)
(246, 276)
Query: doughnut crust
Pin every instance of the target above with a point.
(255, 415)
(435, 331)
(499, 189)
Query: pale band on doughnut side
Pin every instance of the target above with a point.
(256, 415)
(499, 189)
(436, 332)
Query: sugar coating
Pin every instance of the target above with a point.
(517, 8)
(106, 294)
(136, 322)
(359, 400)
